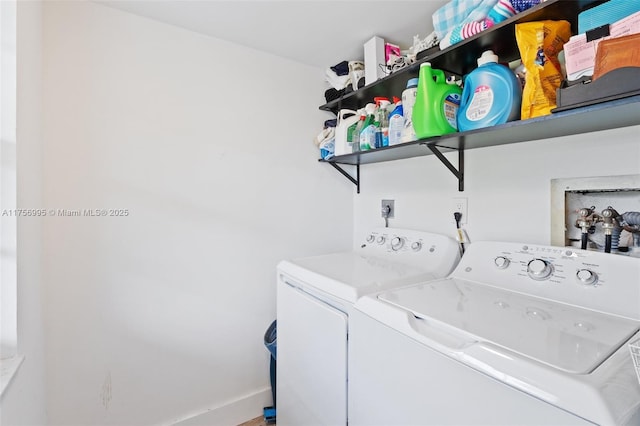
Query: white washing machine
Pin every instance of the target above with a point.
(315, 298)
(517, 334)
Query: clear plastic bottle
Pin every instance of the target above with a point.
(382, 122)
(353, 134)
(408, 101)
(396, 124)
(368, 133)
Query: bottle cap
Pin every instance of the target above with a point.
(412, 83)
(370, 108)
(487, 57)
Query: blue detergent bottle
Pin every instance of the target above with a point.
(492, 95)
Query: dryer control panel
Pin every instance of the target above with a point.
(593, 280)
(411, 247)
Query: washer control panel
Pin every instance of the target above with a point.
(547, 264)
(591, 279)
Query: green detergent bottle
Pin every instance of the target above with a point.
(437, 103)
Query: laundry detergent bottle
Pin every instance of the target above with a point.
(346, 119)
(492, 95)
(437, 103)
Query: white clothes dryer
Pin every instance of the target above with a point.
(315, 298)
(517, 334)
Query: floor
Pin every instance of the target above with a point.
(258, 421)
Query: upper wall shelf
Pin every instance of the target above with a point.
(461, 58)
(603, 116)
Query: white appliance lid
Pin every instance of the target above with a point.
(349, 275)
(566, 337)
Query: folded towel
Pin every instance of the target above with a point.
(500, 11)
(338, 82)
(458, 12)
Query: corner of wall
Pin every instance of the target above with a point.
(231, 413)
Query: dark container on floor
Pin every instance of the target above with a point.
(270, 337)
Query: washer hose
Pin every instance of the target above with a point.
(610, 226)
(457, 216)
(586, 221)
(630, 222)
(607, 243)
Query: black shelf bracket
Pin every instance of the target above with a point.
(459, 172)
(355, 181)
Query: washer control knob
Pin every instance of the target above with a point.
(502, 262)
(381, 239)
(587, 277)
(397, 243)
(370, 238)
(416, 246)
(539, 269)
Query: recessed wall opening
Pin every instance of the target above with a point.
(601, 213)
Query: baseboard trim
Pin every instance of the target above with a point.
(230, 413)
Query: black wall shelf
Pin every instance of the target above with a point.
(604, 116)
(459, 60)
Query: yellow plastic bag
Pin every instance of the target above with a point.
(539, 44)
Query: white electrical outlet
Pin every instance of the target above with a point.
(460, 205)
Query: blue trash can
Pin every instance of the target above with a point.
(270, 337)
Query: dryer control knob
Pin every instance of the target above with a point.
(539, 269)
(397, 243)
(370, 238)
(381, 239)
(416, 246)
(587, 277)
(502, 262)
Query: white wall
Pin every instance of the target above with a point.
(160, 315)
(8, 185)
(507, 187)
(24, 401)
